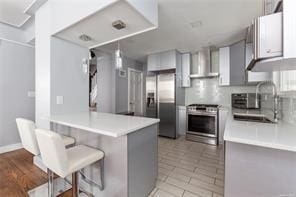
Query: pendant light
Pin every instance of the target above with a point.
(118, 57)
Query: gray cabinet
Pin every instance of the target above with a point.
(186, 61)
(181, 120)
(237, 63)
(232, 64)
(162, 61)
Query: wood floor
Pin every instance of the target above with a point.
(18, 174)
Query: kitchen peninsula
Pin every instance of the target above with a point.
(259, 157)
(129, 144)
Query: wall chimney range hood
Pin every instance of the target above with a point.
(202, 66)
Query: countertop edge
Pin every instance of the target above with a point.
(261, 144)
(228, 138)
(102, 132)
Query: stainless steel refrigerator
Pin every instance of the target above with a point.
(161, 102)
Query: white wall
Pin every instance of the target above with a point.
(17, 72)
(67, 77)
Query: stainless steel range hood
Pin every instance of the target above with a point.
(202, 65)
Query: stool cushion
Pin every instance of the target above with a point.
(81, 156)
(68, 140)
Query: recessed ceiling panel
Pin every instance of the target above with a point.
(99, 29)
(12, 12)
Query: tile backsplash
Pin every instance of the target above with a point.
(289, 109)
(208, 91)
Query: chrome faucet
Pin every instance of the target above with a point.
(275, 98)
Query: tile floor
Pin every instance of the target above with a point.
(189, 169)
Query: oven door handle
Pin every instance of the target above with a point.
(202, 113)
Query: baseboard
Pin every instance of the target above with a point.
(10, 147)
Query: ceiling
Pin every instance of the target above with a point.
(189, 25)
(17, 12)
(98, 27)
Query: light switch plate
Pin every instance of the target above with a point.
(60, 100)
(31, 94)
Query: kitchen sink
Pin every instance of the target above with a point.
(252, 117)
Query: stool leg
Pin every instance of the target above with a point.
(75, 189)
(50, 183)
(102, 174)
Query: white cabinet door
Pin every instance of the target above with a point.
(270, 30)
(168, 60)
(186, 60)
(224, 66)
(179, 70)
(153, 62)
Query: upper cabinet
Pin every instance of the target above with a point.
(274, 38)
(168, 60)
(172, 59)
(224, 66)
(162, 61)
(232, 64)
(265, 37)
(237, 63)
(185, 70)
(153, 62)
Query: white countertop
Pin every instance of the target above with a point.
(280, 136)
(104, 123)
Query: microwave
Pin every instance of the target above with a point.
(264, 39)
(245, 100)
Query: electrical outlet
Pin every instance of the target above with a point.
(60, 100)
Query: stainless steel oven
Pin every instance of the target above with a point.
(202, 123)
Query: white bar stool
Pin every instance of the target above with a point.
(26, 130)
(64, 161)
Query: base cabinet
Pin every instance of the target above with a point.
(258, 171)
(223, 113)
(181, 120)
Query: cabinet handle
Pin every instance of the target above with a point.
(220, 80)
(268, 50)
